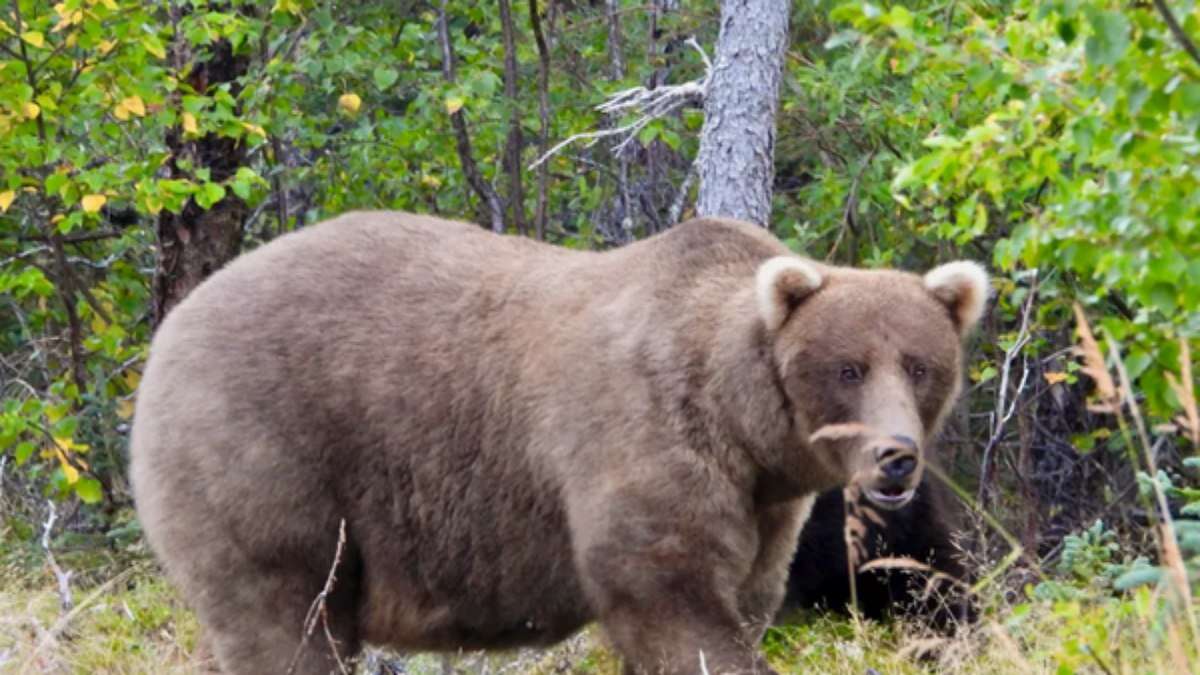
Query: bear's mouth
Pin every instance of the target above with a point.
(891, 497)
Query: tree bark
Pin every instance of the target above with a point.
(535, 22)
(195, 242)
(737, 144)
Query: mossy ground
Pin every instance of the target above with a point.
(127, 619)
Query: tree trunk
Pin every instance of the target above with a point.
(195, 242)
(515, 142)
(737, 144)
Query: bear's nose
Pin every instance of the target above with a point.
(897, 459)
(900, 468)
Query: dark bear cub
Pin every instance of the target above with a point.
(921, 530)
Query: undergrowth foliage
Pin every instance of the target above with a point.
(1057, 140)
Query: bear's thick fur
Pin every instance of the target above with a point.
(521, 439)
(920, 531)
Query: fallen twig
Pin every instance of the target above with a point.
(63, 578)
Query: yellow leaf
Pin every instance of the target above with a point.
(69, 471)
(98, 324)
(132, 378)
(1055, 377)
(431, 181)
(31, 110)
(134, 105)
(106, 46)
(254, 129)
(111, 4)
(125, 408)
(34, 38)
(121, 112)
(189, 123)
(350, 103)
(66, 17)
(289, 6)
(71, 446)
(454, 104)
(93, 203)
(6, 199)
(155, 48)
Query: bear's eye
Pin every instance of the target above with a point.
(916, 371)
(851, 372)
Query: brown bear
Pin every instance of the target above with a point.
(521, 439)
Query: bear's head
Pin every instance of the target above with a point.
(867, 363)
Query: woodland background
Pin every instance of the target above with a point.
(143, 144)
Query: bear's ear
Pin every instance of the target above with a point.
(780, 284)
(963, 287)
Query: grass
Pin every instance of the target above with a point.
(129, 620)
(130, 623)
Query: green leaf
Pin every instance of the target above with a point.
(1138, 577)
(209, 195)
(89, 490)
(23, 452)
(385, 77)
(1109, 39)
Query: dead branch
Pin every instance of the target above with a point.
(649, 104)
(1004, 409)
(466, 156)
(850, 208)
(63, 578)
(616, 64)
(317, 609)
(682, 195)
(837, 432)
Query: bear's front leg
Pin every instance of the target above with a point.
(762, 592)
(663, 578)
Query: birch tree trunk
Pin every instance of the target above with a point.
(737, 145)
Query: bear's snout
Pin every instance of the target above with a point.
(897, 472)
(897, 458)
(899, 468)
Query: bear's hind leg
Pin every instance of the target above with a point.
(258, 625)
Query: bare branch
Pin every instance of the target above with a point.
(317, 609)
(615, 62)
(651, 104)
(682, 195)
(1177, 30)
(1004, 409)
(466, 155)
(63, 578)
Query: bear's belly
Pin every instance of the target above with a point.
(547, 614)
